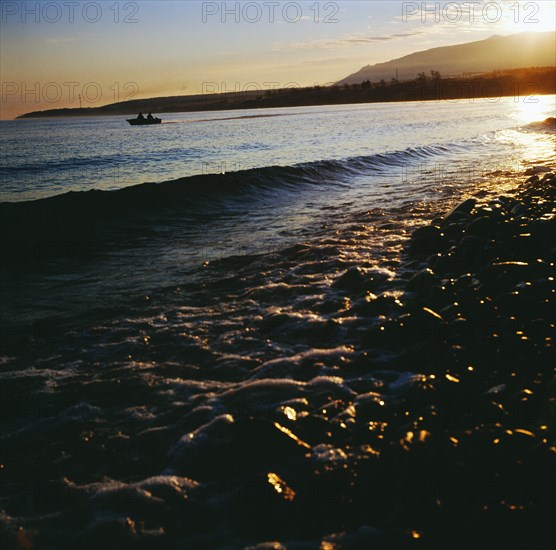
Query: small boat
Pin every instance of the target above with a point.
(143, 121)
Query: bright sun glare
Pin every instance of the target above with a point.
(532, 109)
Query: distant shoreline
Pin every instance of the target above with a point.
(516, 83)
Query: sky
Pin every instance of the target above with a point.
(52, 52)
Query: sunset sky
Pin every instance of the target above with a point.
(166, 47)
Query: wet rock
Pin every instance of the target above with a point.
(543, 229)
(377, 279)
(470, 252)
(427, 240)
(440, 296)
(443, 263)
(422, 281)
(352, 279)
(372, 305)
(385, 335)
(481, 227)
(518, 209)
(511, 271)
(453, 231)
(419, 325)
(461, 211)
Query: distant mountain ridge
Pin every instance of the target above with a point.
(535, 51)
(528, 49)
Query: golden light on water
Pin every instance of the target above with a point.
(290, 413)
(280, 486)
(289, 433)
(531, 108)
(531, 138)
(524, 432)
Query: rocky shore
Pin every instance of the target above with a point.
(465, 450)
(476, 455)
(430, 426)
(462, 453)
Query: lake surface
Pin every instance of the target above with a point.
(165, 287)
(42, 158)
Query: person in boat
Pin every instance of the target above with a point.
(150, 117)
(140, 116)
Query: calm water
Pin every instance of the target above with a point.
(41, 158)
(143, 324)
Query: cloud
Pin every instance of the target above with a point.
(345, 41)
(53, 40)
(335, 61)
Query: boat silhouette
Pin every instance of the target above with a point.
(144, 121)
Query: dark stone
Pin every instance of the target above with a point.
(442, 263)
(453, 231)
(375, 279)
(372, 305)
(422, 281)
(470, 252)
(352, 279)
(464, 209)
(427, 240)
(481, 227)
